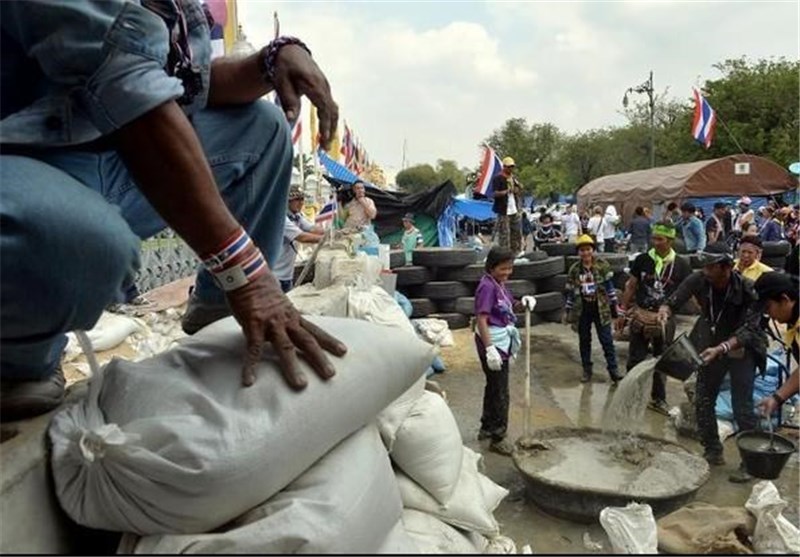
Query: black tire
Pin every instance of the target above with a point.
(421, 307)
(552, 284)
(554, 316)
(560, 249)
(412, 275)
(397, 258)
(444, 257)
(520, 288)
(536, 319)
(774, 262)
(454, 320)
(538, 269)
(617, 261)
(444, 290)
(447, 306)
(773, 250)
(465, 305)
(535, 255)
(470, 273)
(552, 301)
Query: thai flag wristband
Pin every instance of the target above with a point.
(237, 263)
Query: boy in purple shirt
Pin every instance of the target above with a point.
(497, 340)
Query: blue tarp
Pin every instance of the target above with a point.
(338, 171)
(473, 209)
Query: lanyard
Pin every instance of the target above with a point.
(714, 320)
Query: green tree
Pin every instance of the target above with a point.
(448, 170)
(417, 178)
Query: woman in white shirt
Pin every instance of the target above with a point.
(595, 227)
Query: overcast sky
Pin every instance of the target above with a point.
(444, 75)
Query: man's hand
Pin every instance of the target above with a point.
(266, 314)
(296, 74)
(712, 353)
(664, 314)
(768, 406)
(619, 323)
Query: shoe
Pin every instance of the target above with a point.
(615, 378)
(503, 447)
(25, 399)
(740, 475)
(659, 406)
(714, 458)
(484, 435)
(199, 314)
(587, 376)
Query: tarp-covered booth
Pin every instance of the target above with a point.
(729, 177)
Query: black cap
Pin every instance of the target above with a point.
(687, 207)
(754, 240)
(772, 285)
(720, 205)
(718, 252)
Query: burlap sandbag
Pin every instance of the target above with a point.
(700, 528)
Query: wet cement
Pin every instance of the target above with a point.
(559, 399)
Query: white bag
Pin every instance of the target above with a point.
(474, 500)
(433, 536)
(331, 301)
(392, 417)
(112, 329)
(774, 533)
(347, 502)
(398, 542)
(428, 446)
(175, 444)
(632, 529)
(375, 305)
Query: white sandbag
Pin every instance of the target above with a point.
(112, 329)
(323, 264)
(392, 417)
(631, 529)
(362, 269)
(433, 536)
(375, 305)
(500, 545)
(347, 502)
(435, 331)
(473, 502)
(774, 534)
(331, 301)
(174, 444)
(398, 542)
(428, 446)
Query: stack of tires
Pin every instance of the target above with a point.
(441, 284)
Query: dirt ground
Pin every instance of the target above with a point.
(559, 399)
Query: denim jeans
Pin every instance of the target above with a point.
(590, 315)
(71, 223)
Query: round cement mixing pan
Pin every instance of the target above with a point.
(575, 473)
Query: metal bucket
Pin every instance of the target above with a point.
(760, 460)
(680, 359)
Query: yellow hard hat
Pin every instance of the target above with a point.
(508, 161)
(584, 240)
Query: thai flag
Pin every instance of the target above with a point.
(327, 213)
(490, 167)
(705, 120)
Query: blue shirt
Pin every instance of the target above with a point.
(694, 235)
(72, 71)
(771, 232)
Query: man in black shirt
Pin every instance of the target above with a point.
(655, 275)
(508, 227)
(730, 340)
(717, 225)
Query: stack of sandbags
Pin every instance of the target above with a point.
(448, 503)
(174, 445)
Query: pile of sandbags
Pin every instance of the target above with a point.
(174, 444)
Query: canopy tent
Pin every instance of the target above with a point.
(735, 176)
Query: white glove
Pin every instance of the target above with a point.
(529, 302)
(493, 359)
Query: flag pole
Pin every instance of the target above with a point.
(730, 133)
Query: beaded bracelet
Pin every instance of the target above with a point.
(269, 54)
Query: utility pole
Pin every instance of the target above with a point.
(405, 145)
(646, 87)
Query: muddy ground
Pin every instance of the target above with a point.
(559, 399)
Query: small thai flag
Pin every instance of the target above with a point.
(327, 213)
(490, 167)
(705, 120)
